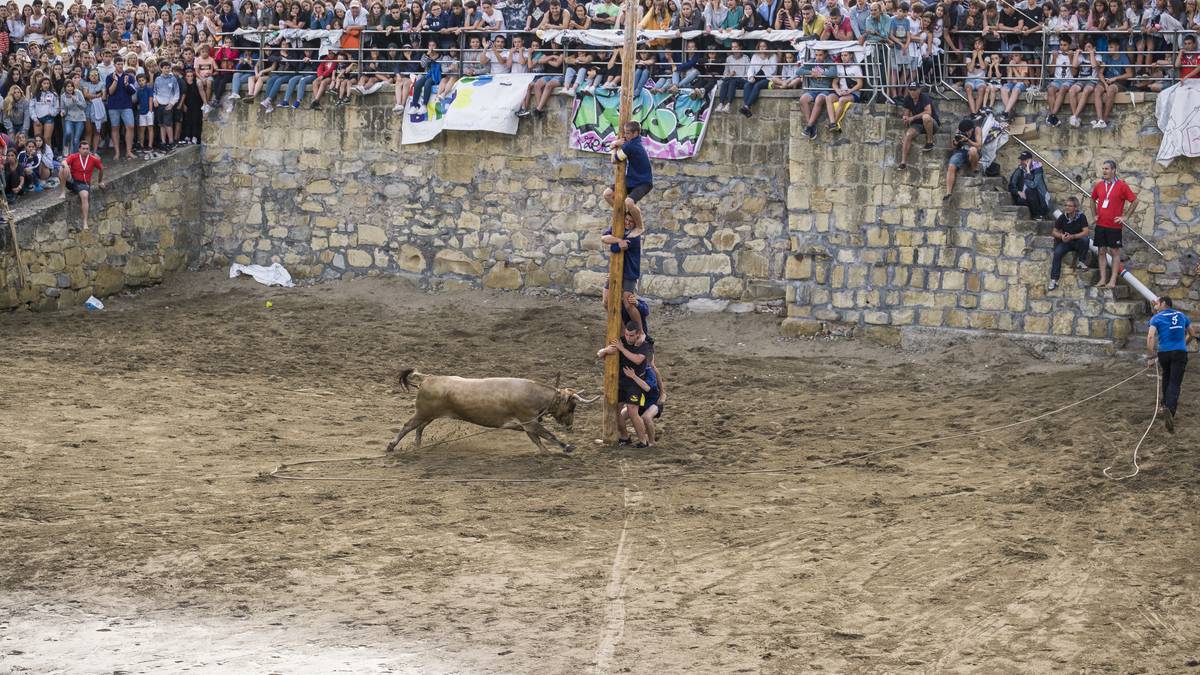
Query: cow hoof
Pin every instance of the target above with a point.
(390, 448)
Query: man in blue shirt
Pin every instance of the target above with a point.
(1169, 333)
(639, 178)
(121, 87)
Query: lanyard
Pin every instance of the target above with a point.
(1109, 189)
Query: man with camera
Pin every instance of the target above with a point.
(965, 147)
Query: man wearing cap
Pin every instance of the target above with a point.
(1025, 186)
(355, 16)
(920, 114)
(1167, 341)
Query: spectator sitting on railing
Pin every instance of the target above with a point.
(1027, 186)
(326, 70)
(1086, 67)
(920, 114)
(1114, 78)
(1071, 236)
(965, 147)
(1061, 79)
(1016, 82)
(737, 66)
(763, 66)
(818, 87)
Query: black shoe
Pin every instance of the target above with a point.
(646, 445)
(901, 166)
(315, 105)
(809, 132)
(523, 112)
(927, 147)
(746, 111)
(1052, 120)
(623, 441)
(1169, 418)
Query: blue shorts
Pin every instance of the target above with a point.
(976, 84)
(1061, 84)
(46, 119)
(1090, 82)
(119, 117)
(1019, 86)
(960, 158)
(550, 78)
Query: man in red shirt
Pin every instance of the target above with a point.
(1187, 61)
(76, 175)
(1113, 202)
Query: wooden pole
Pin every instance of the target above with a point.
(22, 270)
(617, 261)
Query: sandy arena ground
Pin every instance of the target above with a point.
(140, 534)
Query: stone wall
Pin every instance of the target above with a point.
(877, 249)
(332, 193)
(144, 226)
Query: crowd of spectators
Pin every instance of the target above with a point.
(137, 80)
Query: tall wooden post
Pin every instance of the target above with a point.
(617, 261)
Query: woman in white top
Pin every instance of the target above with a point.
(44, 110)
(16, 30)
(764, 64)
(737, 66)
(846, 87)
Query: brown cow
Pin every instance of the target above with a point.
(497, 402)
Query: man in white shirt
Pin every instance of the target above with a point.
(356, 16)
(490, 18)
(497, 59)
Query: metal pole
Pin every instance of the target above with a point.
(617, 262)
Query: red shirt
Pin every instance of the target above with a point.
(1110, 201)
(81, 169)
(1186, 73)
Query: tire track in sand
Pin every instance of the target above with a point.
(614, 607)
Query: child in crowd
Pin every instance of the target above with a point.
(143, 117)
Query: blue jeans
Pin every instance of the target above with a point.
(72, 134)
(424, 89)
(688, 77)
(729, 87)
(751, 90)
(640, 76)
(275, 83)
(297, 83)
(576, 77)
(238, 78)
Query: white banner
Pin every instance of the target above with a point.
(1178, 113)
(484, 103)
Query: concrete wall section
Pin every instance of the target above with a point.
(144, 226)
(333, 193)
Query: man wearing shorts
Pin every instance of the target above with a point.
(1113, 202)
(166, 95)
(636, 353)
(76, 173)
(1166, 342)
(121, 87)
(639, 178)
(920, 114)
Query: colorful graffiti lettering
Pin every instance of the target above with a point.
(673, 124)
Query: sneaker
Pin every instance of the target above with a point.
(1082, 266)
(523, 112)
(1169, 418)
(623, 441)
(267, 105)
(399, 107)
(1052, 120)
(1074, 121)
(809, 132)
(36, 188)
(927, 147)
(901, 166)
(205, 109)
(745, 110)
(1095, 124)
(296, 104)
(639, 445)
(1052, 285)
(233, 96)
(1100, 124)
(315, 105)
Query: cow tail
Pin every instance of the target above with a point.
(410, 379)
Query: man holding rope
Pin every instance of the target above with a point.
(1170, 331)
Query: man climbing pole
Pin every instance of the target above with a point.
(639, 177)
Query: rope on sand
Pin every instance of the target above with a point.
(1157, 402)
(279, 471)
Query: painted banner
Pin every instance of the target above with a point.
(484, 103)
(672, 124)
(1178, 113)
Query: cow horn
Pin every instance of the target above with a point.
(557, 379)
(581, 399)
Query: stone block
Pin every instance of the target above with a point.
(750, 264)
(587, 282)
(371, 235)
(503, 276)
(798, 267)
(320, 187)
(674, 287)
(796, 327)
(410, 259)
(452, 261)
(359, 258)
(725, 240)
(707, 264)
(729, 288)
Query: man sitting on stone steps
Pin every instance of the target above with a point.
(1070, 234)
(920, 114)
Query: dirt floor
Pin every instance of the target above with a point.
(141, 535)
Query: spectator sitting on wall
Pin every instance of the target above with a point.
(30, 162)
(77, 172)
(789, 73)
(846, 88)
(920, 114)
(1086, 68)
(1027, 185)
(763, 66)
(1070, 235)
(818, 87)
(1062, 77)
(737, 65)
(639, 175)
(1114, 78)
(1113, 202)
(14, 176)
(547, 60)
(965, 147)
